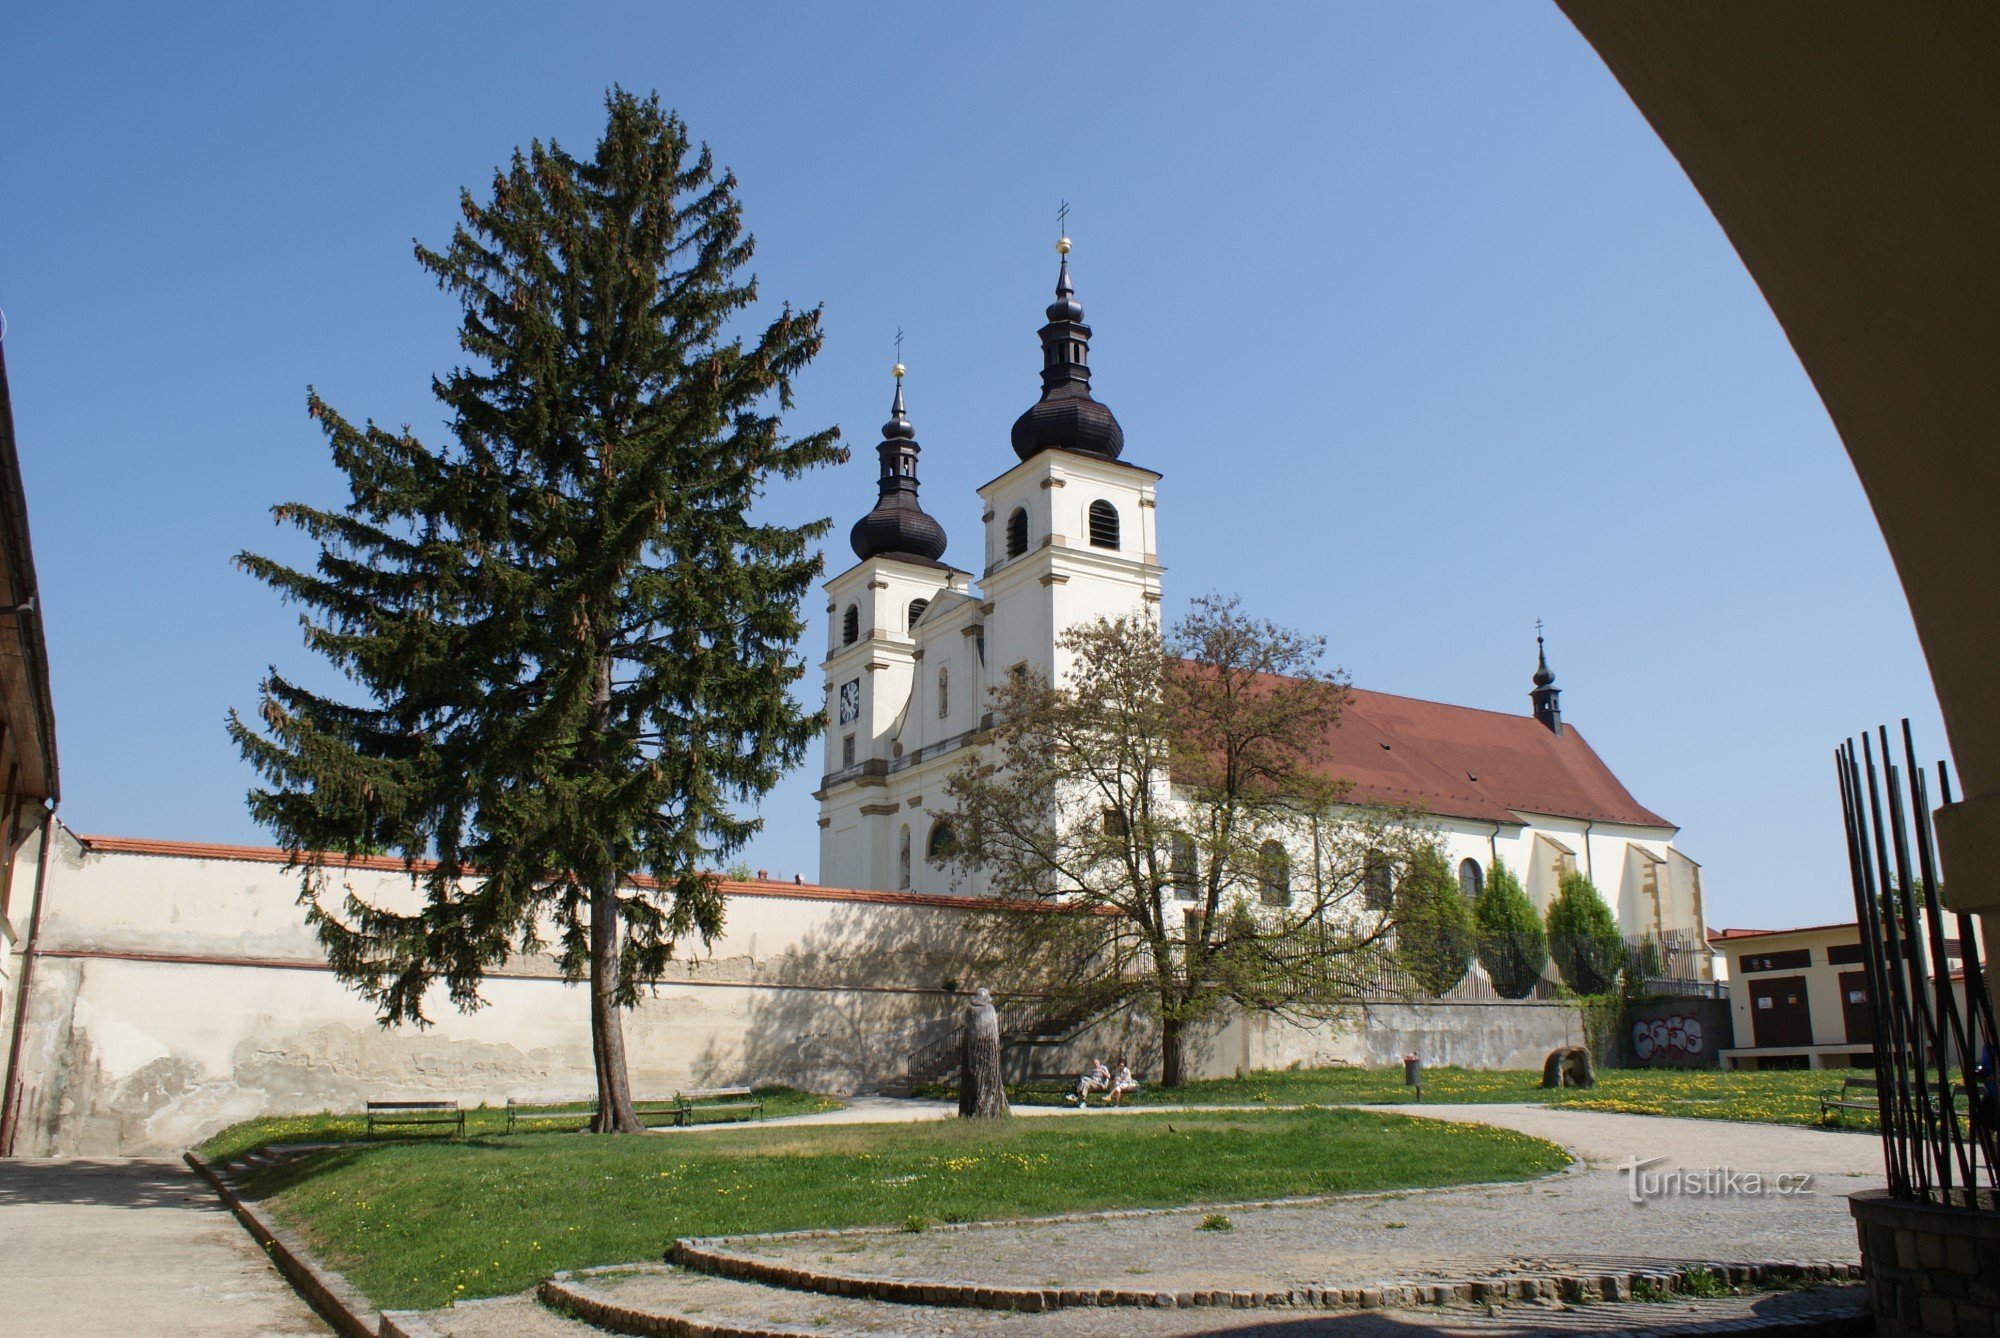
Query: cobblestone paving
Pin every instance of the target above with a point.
(746, 1307)
(1579, 1219)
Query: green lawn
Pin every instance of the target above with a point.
(421, 1222)
(1714, 1094)
(331, 1127)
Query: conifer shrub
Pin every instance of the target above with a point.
(1583, 937)
(1512, 946)
(1434, 928)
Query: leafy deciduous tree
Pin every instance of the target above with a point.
(1163, 801)
(573, 641)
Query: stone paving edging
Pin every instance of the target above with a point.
(1591, 1285)
(1575, 1167)
(562, 1293)
(332, 1296)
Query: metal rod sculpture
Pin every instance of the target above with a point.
(1934, 1044)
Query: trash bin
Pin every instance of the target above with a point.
(1413, 1074)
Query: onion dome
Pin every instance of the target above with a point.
(898, 526)
(1066, 418)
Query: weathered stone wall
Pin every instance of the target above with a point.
(177, 990)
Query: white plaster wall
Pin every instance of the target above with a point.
(173, 996)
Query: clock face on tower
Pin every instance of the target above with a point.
(850, 701)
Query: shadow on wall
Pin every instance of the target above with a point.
(852, 1010)
(847, 1006)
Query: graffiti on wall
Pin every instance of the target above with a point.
(1663, 1036)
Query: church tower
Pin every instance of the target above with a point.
(914, 649)
(1070, 530)
(873, 609)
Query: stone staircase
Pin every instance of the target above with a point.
(683, 1302)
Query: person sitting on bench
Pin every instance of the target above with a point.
(1096, 1078)
(1121, 1083)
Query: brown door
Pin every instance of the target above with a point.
(1779, 1014)
(1854, 1007)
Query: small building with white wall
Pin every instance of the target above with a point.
(1799, 997)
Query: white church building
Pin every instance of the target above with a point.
(1069, 535)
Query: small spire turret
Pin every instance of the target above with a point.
(1546, 695)
(898, 526)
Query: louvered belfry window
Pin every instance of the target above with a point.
(1017, 532)
(1103, 525)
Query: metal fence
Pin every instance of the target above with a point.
(1934, 1029)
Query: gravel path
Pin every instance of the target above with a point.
(1581, 1218)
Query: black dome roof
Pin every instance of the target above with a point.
(898, 527)
(1068, 419)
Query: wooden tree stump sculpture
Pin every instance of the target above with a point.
(980, 1095)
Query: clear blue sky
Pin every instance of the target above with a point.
(1427, 332)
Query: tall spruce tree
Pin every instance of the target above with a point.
(573, 640)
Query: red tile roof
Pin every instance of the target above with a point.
(142, 845)
(1459, 761)
(1725, 935)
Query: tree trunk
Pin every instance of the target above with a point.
(1173, 1047)
(607, 1023)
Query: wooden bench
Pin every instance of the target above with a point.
(1862, 1094)
(728, 1102)
(1069, 1082)
(584, 1110)
(1853, 1094)
(408, 1114)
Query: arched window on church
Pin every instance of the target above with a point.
(850, 625)
(1103, 524)
(944, 691)
(1378, 887)
(1274, 874)
(1470, 877)
(917, 607)
(942, 842)
(1017, 532)
(903, 860)
(1185, 865)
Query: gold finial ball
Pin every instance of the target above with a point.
(1062, 246)
(897, 371)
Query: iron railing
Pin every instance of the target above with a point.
(1934, 1030)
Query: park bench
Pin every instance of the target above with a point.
(1068, 1081)
(1853, 1094)
(581, 1112)
(1862, 1094)
(726, 1102)
(409, 1114)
